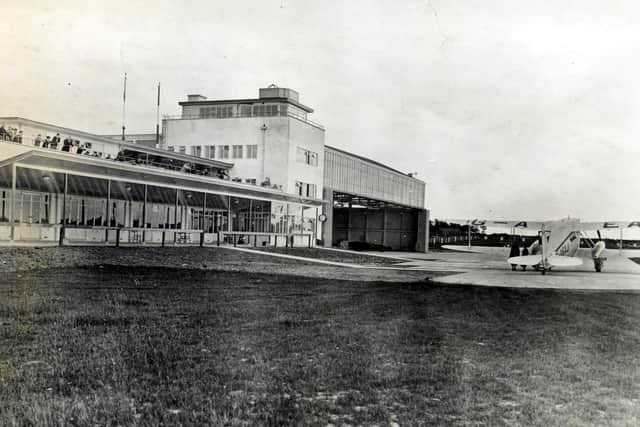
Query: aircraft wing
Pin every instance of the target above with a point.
(553, 260)
(564, 261)
(525, 260)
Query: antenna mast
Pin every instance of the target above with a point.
(158, 119)
(124, 100)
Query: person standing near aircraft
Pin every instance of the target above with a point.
(515, 251)
(525, 252)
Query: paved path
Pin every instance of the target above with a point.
(489, 268)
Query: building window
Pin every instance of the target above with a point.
(245, 110)
(236, 179)
(216, 112)
(211, 151)
(305, 190)
(265, 110)
(196, 150)
(251, 181)
(171, 148)
(182, 149)
(223, 151)
(252, 151)
(237, 151)
(307, 157)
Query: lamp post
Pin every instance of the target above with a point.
(263, 128)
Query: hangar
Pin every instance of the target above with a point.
(253, 171)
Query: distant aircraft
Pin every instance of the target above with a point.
(558, 245)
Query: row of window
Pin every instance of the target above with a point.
(217, 111)
(245, 214)
(258, 110)
(219, 151)
(307, 157)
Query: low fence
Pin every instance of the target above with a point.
(69, 235)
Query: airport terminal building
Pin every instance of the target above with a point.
(241, 171)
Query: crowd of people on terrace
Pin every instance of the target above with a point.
(54, 142)
(75, 146)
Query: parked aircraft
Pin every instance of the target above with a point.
(558, 245)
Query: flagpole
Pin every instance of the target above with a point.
(124, 101)
(158, 119)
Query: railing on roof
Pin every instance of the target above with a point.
(125, 156)
(300, 117)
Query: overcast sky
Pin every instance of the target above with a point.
(507, 109)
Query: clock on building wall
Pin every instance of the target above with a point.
(322, 218)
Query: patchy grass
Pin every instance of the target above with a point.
(133, 346)
(332, 255)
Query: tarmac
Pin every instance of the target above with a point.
(482, 266)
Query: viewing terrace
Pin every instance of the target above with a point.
(94, 146)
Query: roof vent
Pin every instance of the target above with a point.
(196, 97)
(273, 91)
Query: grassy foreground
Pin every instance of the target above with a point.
(122, 346)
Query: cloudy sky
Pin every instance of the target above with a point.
(507, 109)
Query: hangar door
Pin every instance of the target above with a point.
(396, 227)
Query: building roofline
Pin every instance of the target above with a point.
(247, 101)
(61, 128)
(368, 160)
(125, 144)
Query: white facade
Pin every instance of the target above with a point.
(269, 140)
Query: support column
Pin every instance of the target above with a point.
(349, 222)
(229, 226)
(64, 198)
(144, 213)
(108, 203)
(175, 218)
(327, 225)
(144, 209)
(287, 226)
(63, 217)
(108, 215)
(315, 228)
(422, 240)
(384, 225)
(204, 209)
(366, 224)
(12, 205)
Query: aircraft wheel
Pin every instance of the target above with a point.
(544, 271)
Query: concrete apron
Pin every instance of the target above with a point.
(491, 269)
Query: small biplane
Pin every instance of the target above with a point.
(558, 245)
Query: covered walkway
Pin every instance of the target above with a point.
(65, 198)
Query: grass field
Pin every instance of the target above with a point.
(125, 346)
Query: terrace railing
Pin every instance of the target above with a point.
(296, 116)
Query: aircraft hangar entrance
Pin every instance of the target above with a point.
(381, 224)
(367, 201)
